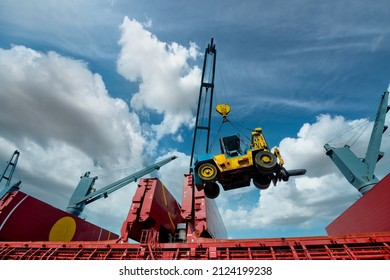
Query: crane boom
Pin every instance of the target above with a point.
(374, 154)
(85, 194)
(360, 172)
(205, 97)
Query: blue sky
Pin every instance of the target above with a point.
(100, 85)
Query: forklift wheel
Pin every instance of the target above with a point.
(261, 182)
(207, 171)
(265, 162)
(211, 190)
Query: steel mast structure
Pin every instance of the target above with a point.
(207, 83)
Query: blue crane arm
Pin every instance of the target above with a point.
(353, 168)
(360, 172)
(78, 201)
(373, 151)
(8, 173)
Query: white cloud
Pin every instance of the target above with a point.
(301, 202)
(62, 119)
(47, 97)
(168, 84)
(306, 150)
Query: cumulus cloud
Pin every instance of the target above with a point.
(302, 202)
(62, 119)
(306, 150)
(50, 98)
(168, 84)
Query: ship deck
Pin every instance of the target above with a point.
(340, 247)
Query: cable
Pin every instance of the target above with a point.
(223, 83)
(359, 128)
(104, 173)
(359, 133)
(237, 128)
(216, 136)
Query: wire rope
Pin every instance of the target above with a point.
(223, 83)
(104, 173)
(216, 136)
(359, 129)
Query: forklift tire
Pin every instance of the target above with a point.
(207, 171)
(211, 190)
(261, 182)
(266, 162)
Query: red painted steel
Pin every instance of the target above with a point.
(201, 214)
(374, 246)
(153, 207)
(25, 218)
(369, 214)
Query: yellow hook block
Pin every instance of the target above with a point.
(223, 109)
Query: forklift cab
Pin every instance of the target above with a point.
(230, 146)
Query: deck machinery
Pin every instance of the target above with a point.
(159, 227)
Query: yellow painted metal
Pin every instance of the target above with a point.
(226, 163)
(167, 207)
(230, 163)
(266, 159)
(279, 156)
(223, 109)
(207, 171)
(63, 230)
(258, 141)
